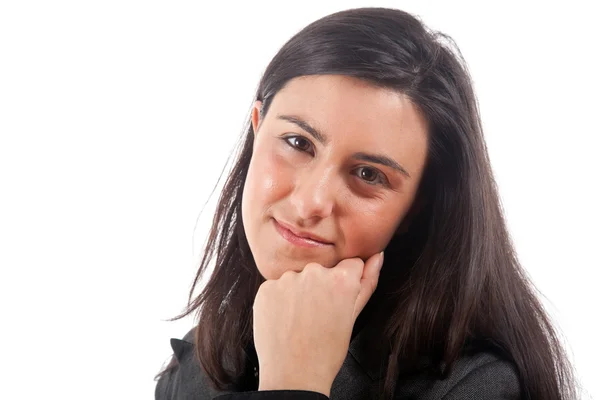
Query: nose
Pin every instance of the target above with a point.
(314, 193)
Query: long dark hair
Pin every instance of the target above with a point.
(453, 277)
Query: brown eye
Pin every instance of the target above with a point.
(299, 143)
(370, 175)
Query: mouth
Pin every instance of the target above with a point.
(297, 240)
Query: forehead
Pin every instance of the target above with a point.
(351, 111)
(338, 93)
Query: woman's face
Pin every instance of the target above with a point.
(335, 159)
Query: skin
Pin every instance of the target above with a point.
(305, 311)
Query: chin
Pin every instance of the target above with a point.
(274, 270)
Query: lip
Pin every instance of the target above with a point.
(301, 239)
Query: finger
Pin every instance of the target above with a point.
(353, 267)
(368, 282)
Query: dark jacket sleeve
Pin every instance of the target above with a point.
(165, 389)
(274, 395)
(162, 390)
(496, 380)
(184, 377)
(476, 377)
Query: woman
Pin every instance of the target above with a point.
(364, 137)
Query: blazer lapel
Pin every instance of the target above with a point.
(361, 375)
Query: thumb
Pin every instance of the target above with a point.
(368, 282)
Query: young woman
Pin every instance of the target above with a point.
(364, 140)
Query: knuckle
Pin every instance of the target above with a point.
(344, 280)
(341, 279)
(289, 274)
(312, 267)
(261, 289)
(352, 261)
(313, 270)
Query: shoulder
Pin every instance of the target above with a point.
(485, 375)
(184, 377)
(182, 348)
(482, 375)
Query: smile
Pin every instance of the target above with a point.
(297, 240)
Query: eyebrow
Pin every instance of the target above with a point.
(324, 140)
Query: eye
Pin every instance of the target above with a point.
(371, 176)
(299, 143)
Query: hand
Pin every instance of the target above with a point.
(303, 322)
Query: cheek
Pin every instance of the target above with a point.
(268, 179)
(367, 233)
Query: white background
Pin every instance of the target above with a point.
(117, 117)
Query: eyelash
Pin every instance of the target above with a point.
(380, 180)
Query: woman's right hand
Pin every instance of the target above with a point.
(303, 322)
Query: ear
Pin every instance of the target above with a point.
(256, 117)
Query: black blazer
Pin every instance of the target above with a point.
(480, 376)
